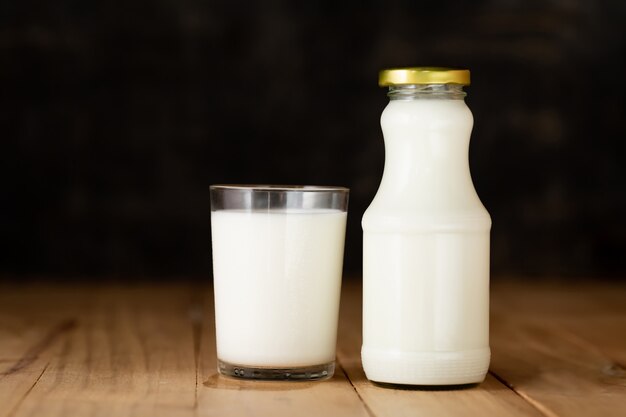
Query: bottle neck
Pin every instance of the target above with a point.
(426, 91)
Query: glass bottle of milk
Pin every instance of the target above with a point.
(426, 240)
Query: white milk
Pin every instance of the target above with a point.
(277, 278)
(426, 252)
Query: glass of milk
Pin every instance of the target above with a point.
(277, 266)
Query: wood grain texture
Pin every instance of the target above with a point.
(149, 350)
(560, 346)
(129, 352)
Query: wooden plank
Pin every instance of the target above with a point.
(131, 353)
(18, 375)
(27, 314)
(595, 312)
(28, 340)
(121, 351)
(491, 398)
(221, 396)
(558, 300)
(606, 334)
(547, 360)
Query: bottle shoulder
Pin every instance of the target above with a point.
(430, 198)
(394, 220)
(384, 216)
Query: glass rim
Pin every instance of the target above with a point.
(279, 188)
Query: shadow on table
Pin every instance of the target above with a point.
(218, 381)
(424, 387)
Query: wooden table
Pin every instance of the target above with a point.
(115, 350)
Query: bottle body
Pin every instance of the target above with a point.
(426, 252)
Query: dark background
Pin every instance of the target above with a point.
(116, 116)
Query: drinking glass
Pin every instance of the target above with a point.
(277, 267)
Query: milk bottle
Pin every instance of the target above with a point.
(426, 240)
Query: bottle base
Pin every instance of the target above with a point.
(305, 373)
(426, 368)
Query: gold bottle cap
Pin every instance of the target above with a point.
(423, 75)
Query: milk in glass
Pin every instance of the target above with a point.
(277, 278)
